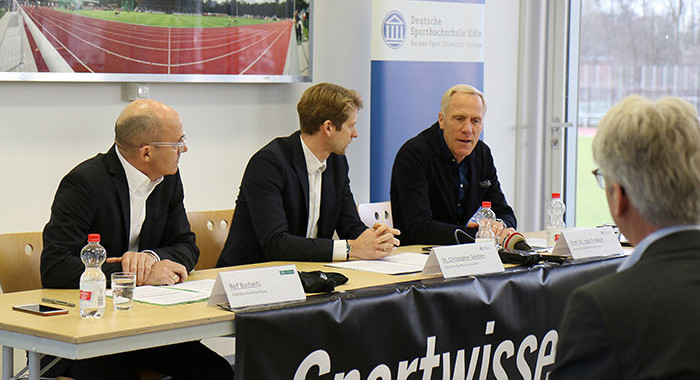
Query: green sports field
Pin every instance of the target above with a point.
(591, 205)
(170, 20)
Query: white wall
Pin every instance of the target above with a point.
(47, 128)
(500, 87)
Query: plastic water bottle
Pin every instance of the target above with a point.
(93, 282)
(486, 219)
(473, 222)
(555, 223)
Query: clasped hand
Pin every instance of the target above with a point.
(499, 229)
(149, 271)
(375, 242)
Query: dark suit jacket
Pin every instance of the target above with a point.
(271, 215)
(94, 198)
(423, 195)
(641, 323)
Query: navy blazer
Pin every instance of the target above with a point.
(94, 198)
(424, 196)
(641, 323)
(271, 214)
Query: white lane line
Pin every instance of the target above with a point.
(100, 48)
(169, 52)
(36, 21)
(161, 64)
(221, 56)
(254, 34)
(263, 53)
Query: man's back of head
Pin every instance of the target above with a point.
(138, 123)
(326, 101)
(652, 150)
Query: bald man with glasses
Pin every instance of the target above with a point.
(133, 197)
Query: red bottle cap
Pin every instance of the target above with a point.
(486, 204)
(556, 195)
(94, 238)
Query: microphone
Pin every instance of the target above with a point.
(458, 231)
(517, 241)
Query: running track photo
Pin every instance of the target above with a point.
(101, 46)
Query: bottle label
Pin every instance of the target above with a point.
(85, 295)
(92, 295)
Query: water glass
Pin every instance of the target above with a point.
(123, 284)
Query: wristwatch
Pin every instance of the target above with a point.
(348, 248)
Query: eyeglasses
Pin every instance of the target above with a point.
(599, 178)
(180, 144)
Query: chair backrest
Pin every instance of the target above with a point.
(371, 213)
(20, 255)
(211, 228)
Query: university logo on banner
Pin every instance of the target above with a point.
(394, 29)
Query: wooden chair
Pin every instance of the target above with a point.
(211, 228)
(20, 254)
(371, 213)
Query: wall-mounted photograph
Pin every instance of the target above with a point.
(155, 40)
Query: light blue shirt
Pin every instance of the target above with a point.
(651, 238)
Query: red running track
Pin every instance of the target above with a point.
(101, 46)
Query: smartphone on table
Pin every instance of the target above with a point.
(39, 309)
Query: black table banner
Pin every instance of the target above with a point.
(495, 326)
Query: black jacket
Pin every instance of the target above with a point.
(641, 323)
(94, 198)
(271, 215)
(423, 196)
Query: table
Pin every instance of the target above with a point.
(69, 336)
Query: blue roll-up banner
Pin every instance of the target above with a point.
(419, 50)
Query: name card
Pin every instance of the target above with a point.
(248, 287)
(463, 260)
(589, 242)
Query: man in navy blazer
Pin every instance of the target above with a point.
(133, 197)
(441, 176)
(642, 322)
(295, 191)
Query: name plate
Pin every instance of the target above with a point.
(589, 242)
(463, 260)
(248, 287)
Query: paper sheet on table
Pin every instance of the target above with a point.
(186, 292)
(400, 263)
(201, 286)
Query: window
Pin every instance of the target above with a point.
(645, 47)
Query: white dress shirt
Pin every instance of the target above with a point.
(140, 187)
(315, 169)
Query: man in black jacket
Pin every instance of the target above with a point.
(642, 322)
(441, 176)
(133, 197)
(296, 192)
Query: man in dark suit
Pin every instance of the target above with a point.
(441, 176)
(642, 322)
(295, 191)
(133, 197)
